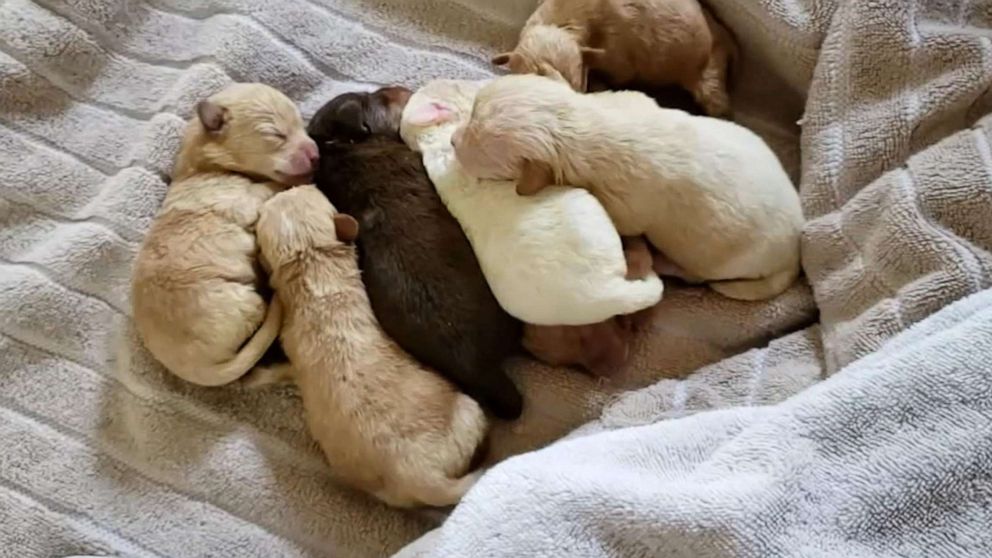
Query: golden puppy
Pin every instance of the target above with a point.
(708, 194)
(387, 425)
(195, 287)
(653, 43)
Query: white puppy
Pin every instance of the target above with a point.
(550, 259)
(708, 193)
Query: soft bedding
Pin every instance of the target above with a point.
(877, 108)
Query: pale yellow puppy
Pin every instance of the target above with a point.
(195, 292)
(651, 43)
(387, 425)
(708, 194)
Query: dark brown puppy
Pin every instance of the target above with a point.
(423, 280)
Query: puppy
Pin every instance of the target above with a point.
(425, 284)
(601, 348)
(387, 425)
(708, 194)
(195, 293)
(653, 42)
(551, 259)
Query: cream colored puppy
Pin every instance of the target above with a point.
(708, 193)
(646, 42)
(195, 287)
(387, 425)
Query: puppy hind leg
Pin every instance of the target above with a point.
(665, 267)
(268, 374)
(710, 90)
(756, 289)
(443, 491)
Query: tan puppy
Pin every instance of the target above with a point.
(387, 425)
(707, 193)
(195, 287)
(653, 43)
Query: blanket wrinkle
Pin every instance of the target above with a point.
(106, 453)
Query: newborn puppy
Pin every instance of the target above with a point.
(425, 284)
(387, 425)
(195, 296)
(708, 194)
(601, 348)
(653, 42)
(354, 117)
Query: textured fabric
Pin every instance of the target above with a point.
(890, 456)
(105, 453)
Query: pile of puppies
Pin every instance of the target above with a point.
(388, 323)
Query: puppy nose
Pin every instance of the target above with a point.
(311, 152)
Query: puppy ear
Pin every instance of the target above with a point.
(346, 227)
(211, 115)
(549, 71)
(429, 114)
(534, 176)
(592, 56)
(503, 59)
(351, 114)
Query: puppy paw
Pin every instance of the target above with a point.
(638, 256)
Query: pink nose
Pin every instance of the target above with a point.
(311, 153)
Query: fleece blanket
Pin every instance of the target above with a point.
(105, 453)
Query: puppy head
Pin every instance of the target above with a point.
(298, 220)
(253, 129)
(553, 52)
(439, 103)
(511, 131)
(354, 117)
(601, 349)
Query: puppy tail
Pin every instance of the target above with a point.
(250, 353)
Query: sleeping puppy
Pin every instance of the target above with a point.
(425, 284)
(709, 194)
(651, 42)
(387, 425)
(601, 348)
(195, 298)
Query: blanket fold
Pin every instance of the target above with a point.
(105, 453)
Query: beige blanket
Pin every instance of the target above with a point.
(106, 453)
